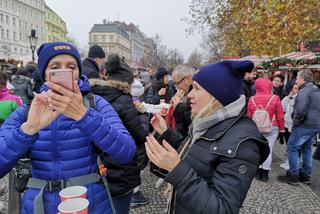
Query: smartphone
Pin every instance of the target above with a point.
(62, 77)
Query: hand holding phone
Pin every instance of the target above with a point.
(62, 77)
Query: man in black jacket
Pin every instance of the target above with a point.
(95, 59)
(248, 83)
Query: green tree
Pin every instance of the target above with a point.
(261, 26)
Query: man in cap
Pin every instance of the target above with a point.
(92, 63)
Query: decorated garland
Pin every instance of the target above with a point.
(9, 62)
(269, 64)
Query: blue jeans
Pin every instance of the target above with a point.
(122, 203)
(301, 139)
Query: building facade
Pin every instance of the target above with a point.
(17, 19)
(112, 38)
(55, 27)
(137, 41)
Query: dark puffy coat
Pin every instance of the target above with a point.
(124, 178)
(281, 92)
(66, 149)
(218, 169)
(247, 89)
(90, 68)
(22, 88)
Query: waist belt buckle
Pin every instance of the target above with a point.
(56, 186)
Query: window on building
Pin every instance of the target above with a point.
(103, 38)
(1, 18)
(95, 38)
(0, 3)
(111, 39)
(7, 20)
(14, 21)
(14, 36)
(8, 37)
(20, 37)
(2, 33)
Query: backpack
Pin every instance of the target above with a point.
(24, 167)
(262, 118)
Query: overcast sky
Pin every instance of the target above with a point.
(152, 16)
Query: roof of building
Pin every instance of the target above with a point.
(108, 28)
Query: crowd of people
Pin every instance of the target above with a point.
(219, 131)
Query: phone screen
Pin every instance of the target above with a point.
(62, 77)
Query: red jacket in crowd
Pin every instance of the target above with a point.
(262, 97)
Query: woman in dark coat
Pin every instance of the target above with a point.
(214, 170)
(122, 178)
(161, 88)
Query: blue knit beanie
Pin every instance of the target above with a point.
(49, 50)
(223, 80)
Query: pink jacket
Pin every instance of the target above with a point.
(5, 95)
(262, 97)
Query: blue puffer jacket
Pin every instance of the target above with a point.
(65, 149)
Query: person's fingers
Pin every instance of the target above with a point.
(150, 154)
(57, 104)
(59, 88)
(55, 96)
(168, 147)
(155, 145)
(76, 87)
(152, 148)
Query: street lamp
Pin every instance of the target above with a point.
(33, 41)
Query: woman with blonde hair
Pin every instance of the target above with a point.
(214, 169)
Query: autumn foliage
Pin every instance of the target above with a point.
(260, 27)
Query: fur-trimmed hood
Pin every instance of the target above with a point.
(123, 86)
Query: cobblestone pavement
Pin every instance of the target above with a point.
(4, 195)
(263, 198)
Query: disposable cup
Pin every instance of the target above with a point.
(73, 192)
(74, 206)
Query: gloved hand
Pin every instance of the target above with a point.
(280, 138)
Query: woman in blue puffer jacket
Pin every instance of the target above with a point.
(62, 134)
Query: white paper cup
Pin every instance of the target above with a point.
(73, 192)
(74, 206)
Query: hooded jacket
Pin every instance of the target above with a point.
(262, 97)
(66, 149)
(123, 178)
(90, 68)
(8, 103)
(23, 88)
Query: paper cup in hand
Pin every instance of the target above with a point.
(73, 192)
(74, 206)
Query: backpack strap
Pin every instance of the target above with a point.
(269, 102)
(88, 101)
(254, 102)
